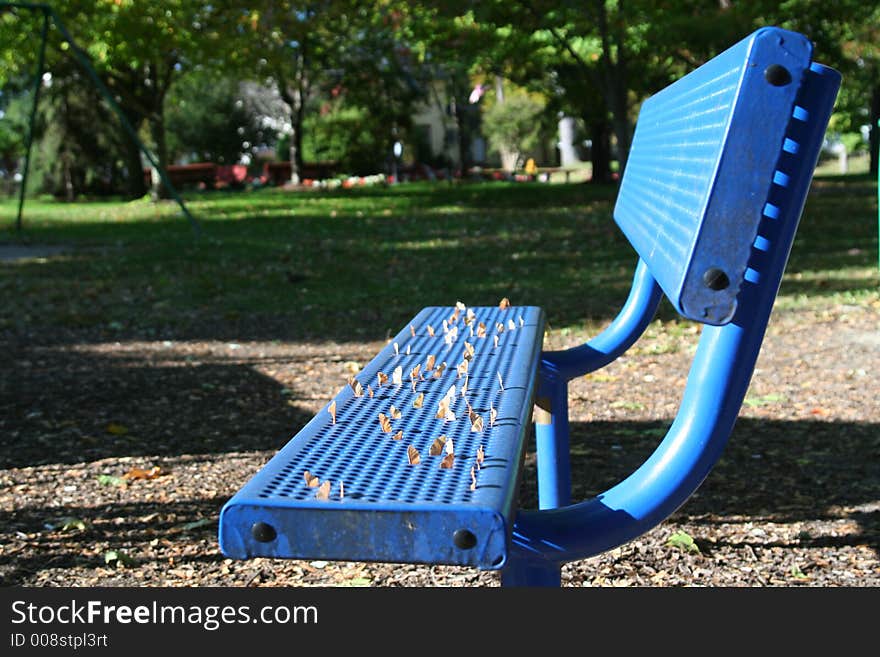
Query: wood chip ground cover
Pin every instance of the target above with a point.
(795, 500)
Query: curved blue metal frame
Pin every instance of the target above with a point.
(560, 367)
(717, 383)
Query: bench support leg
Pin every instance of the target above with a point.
(551, 438)
(522, 571)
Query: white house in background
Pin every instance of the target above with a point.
(434, 125)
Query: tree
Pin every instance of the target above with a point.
(138, 49)
(295, 45)
(847, 36)
(512, 126)
(208, 118)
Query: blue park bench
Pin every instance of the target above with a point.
(718, 174)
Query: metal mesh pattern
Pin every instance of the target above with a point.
(671, 167)
(705, 148)
(372, 466)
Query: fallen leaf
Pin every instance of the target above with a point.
(323, 492)
(419, 401)
(683, 541)
(140, 473)
(69, 524)
(499, 327)
(462, 368)
(436, 448)
(430, 330)
(109, 480)
(197, 524)
(504, 304)
(412, 330)
(341, 490)
(396, 349)
(397, 376)
(493, 414)
(442, 408)
(481, 455)
(384, 423)
(415, 372)
(429, 363)
(311, 480)
(495, 340)
(473, 479)
(477, 424)
(413, 456)
(522, 322)
(438, 372)
(332, 410)
(449, 448)
(394, 412)
(481, 330)
(447, 461)
(510, 325)
(468, 351)
(398, 435)
(500, 382)
(118, 558)
(370, 390)
(356, 387)
(383, 378)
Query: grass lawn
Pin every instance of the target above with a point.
(357, 264)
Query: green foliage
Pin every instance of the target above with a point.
(349, 135)
(208, 120)
(13, 130)
(513, 125)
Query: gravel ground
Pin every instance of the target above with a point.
(117, 455)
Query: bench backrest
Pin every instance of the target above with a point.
(704, 150)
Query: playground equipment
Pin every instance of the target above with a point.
(82, 59)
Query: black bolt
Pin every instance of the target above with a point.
(464, 539)
(715, 279)
(263, 532)
(777, 75)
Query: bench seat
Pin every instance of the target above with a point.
(388, 509)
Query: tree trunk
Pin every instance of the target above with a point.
(135, 186)
(464, 142)
(295, 97)
(874, 135)
(600, 153)
(615, 79)
(296, 159)
(157, 130)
